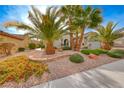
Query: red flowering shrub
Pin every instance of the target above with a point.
(19, 69)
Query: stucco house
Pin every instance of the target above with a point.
(120, 41)
(22, 41)
(19, 41)
(64, 41)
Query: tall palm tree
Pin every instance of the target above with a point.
(106, 35)
(68, 11)
(48, 27)
(86, 18)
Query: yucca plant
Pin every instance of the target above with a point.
(48, 27)
(106, 35)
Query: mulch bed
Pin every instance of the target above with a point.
(63, 67)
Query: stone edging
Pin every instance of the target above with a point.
(48, 59)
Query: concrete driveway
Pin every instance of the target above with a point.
(106, 76)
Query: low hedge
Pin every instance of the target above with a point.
(102, 51)
(41, 46)
(94, 51)
(21, 49)
(66, 48)
(32, 46)
(19, 69)
(76, 58)
(116, 53)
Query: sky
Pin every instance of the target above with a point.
(113, 13)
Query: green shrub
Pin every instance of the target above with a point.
(116, 53)
(19, 69)
(102, 51)
(41, 46)
(21, 49)
(66, 48)
(89, 51)
(32, 46)
(118, 50)
(95, 51)
(76, 58)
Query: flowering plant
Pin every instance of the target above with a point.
(20, 69)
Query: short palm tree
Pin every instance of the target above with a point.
(106, 35)
(86, 18)
(48, 27)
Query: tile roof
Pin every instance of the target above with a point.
(15, 36)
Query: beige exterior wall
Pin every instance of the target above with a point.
(119, 42)
(58, 43)
(18, 43)
(26, 41)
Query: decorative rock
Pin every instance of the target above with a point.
(93, 56)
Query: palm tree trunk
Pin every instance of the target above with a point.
(71, 35)
(71, 40)
(50, 48)
(76, 43)
(105, 45)
(80, 40)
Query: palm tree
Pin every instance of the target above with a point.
(68, 11)
(48, 27)
(86, 18)
(106, 35)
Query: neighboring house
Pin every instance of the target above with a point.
(91, 43)
(120, 41)
(18, 40)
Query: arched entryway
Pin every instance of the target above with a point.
(66, 42)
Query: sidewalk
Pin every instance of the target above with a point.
(110, 75)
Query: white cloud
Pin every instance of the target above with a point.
(42, 8)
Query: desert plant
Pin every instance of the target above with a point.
(78, 20)
(32, 46)
(76, 58)
(90, 51)
(85, 18)
(116, 53)
(68, 11)
(94, 51)
(102, 51)
(41, 46)
(21, 49)
(19, 69)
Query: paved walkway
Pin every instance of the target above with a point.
(110, 75)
